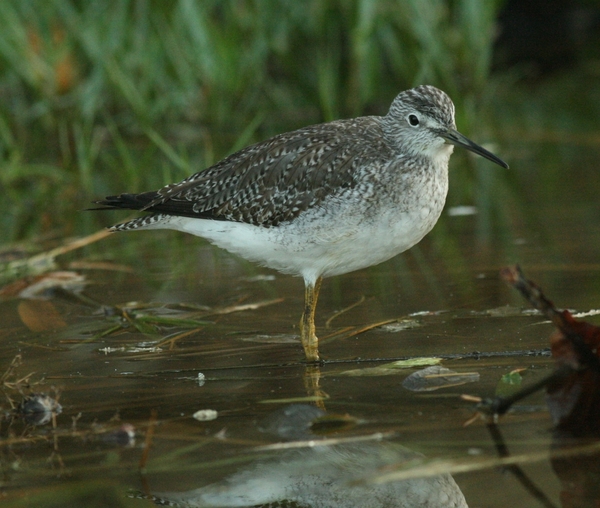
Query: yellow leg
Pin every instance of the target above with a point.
(310, 343)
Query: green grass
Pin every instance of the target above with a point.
(101, 97)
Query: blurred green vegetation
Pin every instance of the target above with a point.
(105, 97)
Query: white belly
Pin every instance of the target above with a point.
(340, 237)
(310, 247)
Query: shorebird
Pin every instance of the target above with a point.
(323, 200)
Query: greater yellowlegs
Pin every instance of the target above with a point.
(323, 200)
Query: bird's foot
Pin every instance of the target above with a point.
(311, 349)
(309, 339)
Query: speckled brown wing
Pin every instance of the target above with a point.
(273, 181)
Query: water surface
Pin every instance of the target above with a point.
(444, 300)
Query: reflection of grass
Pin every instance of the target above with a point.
(102, 99)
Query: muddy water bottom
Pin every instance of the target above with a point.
(169, 412)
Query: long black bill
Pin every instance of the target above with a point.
(456, 138)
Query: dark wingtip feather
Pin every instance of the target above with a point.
(125, 201)
(98, 208)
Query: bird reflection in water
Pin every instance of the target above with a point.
(321, 475)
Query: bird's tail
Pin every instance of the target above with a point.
(126, 201)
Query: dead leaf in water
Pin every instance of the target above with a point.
(436, 377)
(388, 369)
(40, 315)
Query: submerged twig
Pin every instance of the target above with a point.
(343, 311)
(173, 339)
(8, 380)
(40, 263)
(516, 470)
(572, 387)
(352, 331)
(500, 405)
(242, 307)
(573, 330)
(148, 440)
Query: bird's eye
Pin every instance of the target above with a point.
(413, 120)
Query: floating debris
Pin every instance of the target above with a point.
(38, 409)
(506, 311)
(150, 349)
(205, 415)
(106, 350)
(510, 383)
(43, 286)
(436, 377)
(401, 325)
(589, 313)
(392, 368)
(46, 261)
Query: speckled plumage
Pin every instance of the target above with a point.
(273, 181)
(323, 200)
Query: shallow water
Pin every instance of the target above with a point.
(426, 303)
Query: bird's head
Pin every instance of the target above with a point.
(421, 123)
